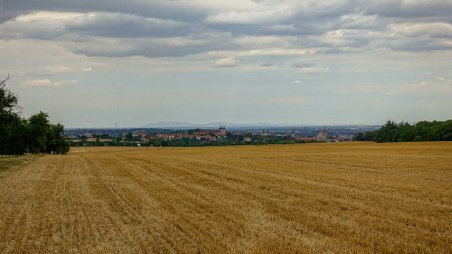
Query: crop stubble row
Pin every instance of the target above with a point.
(358, 197)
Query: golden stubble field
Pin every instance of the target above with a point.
(311, 198)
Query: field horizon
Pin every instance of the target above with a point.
(357, 197)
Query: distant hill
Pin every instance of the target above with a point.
(188, 125)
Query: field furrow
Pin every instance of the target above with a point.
(353, 198)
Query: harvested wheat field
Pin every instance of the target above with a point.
(307, 198)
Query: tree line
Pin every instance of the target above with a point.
(405, 132)
(20, 135)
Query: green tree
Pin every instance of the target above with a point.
(358, 136)
(387, 133)
(370, 135)
(129, 136)
(38, 131)
(405, 132)
(8, 101)
(11, 125)
(35, 135)
(56, 142)
(12, 140)
(447, 130)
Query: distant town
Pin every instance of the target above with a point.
(180, 137)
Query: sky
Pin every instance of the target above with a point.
(138, 62)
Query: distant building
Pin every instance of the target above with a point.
(165, 136)
(264, 133)
(105, 140)
(322, 135)
(210, 138)
(222, 131)
(303, 138)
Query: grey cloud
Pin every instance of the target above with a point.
(161, 28)
(267, 65)
(343, 38)
(431, 29)
(226, 62)
(94, 24)
(37, 30)
(418, 44)
(161, 9)
(148, 47)
(409, 8)
(301, 65)
(398, 36)
(358, 20)
(124, 25)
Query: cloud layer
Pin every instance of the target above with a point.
(332, 47)
(179, 28)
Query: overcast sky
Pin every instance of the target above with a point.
(93, 63)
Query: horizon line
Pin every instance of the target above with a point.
(230, 126)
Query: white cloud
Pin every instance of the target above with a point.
(275, 28)
(282, 41)
(39, 82)
(262, 52)
(424, 3)
(123, 25)
(226, 62)
(358, 20)
(64, 82)
(342, 37)
(48, 16)
(364, 42)
(69, 25)
(249, 17)
(311, 69)
(249, 11)
(432, 29)
(266, 11)
(49, 83)
(59, 69)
